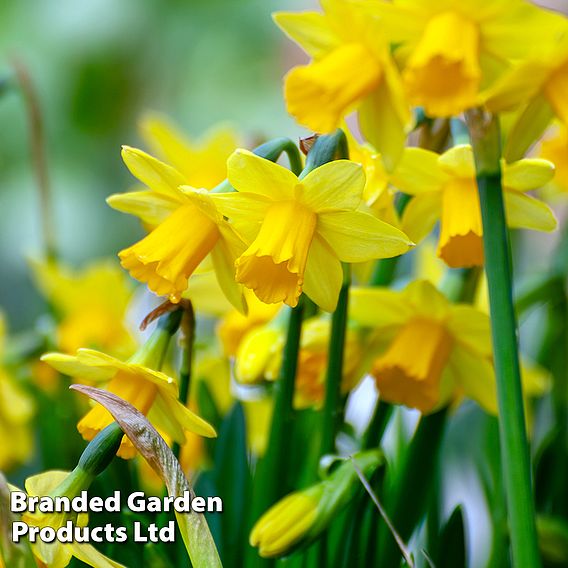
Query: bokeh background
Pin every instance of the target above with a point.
(97, 66)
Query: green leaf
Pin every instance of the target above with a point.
(452, 542)
(193, 526)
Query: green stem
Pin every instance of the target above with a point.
(332, 403)
(271, 484)
(484, 130)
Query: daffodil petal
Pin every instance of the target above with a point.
(378, 307)
(188, 419)
(249, 173)
(323, 276)
(528, 128)
(472, 328)
(527, 174)
(526, 212)
(91, 556)
(69, 365)
(384, 122)
(44, 483)
(151, 172)
(223, 255)
(458, 161)
(310, 30)
(335, 185)
(150, 207)
(421, 214)
(418, 172)
(356, 236)
(426, 299)
(475, 376)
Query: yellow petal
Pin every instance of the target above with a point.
(421, 214)
(474, 375)
(320, 94)
(69, 365)
(150, 207)
(378, 308)
(355, 236)
(335, 185)
(44, 483)
(527, 128)
(471, 328)
(426, 299)
(527, 174)
(323, 276)
(156, 175)
(458, 161)
(418, 172)
(188, 419)
(384, 119)
(526, 212)
(252, 174)
(310, 30)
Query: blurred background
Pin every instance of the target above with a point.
(97, 65)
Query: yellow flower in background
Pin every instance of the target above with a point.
(555, 149)
(427, 348)
(203, 162)
(540, 82)
(188, 228)
(451, 49)
(153, 393)
(16, 413)
(351, 69)
(444, 188)
(90, 303)
(300, 230)
(259, 357)
(57, 554)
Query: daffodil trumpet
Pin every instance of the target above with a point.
(484, 130)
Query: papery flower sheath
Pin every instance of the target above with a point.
(300, 230)
(188, 228)
(427, 349)
(451, 49)
(444, 188)
(351, 69)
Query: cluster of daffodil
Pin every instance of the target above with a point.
(350, 295)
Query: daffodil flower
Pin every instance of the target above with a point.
(91, 303)
(202, 162)
(453, 49)
(351, 69)
(428, 350)
(16, 413)
(444, 187)
(555, 149)
(300, 230)
(57, 554)
(153, 393)
(188, 228)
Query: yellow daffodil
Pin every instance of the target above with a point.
(57, 554)
(260, 355)
(451, 49)
(444, 188)
(91, 304)
(203, 162)
(153, 393)
(555, 149)
(427, 348)
(351, 69)
(539, 83)
(16, 412)
(300, 230)
(299, 518)
(188, 228)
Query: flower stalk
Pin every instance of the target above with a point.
(484, 131)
